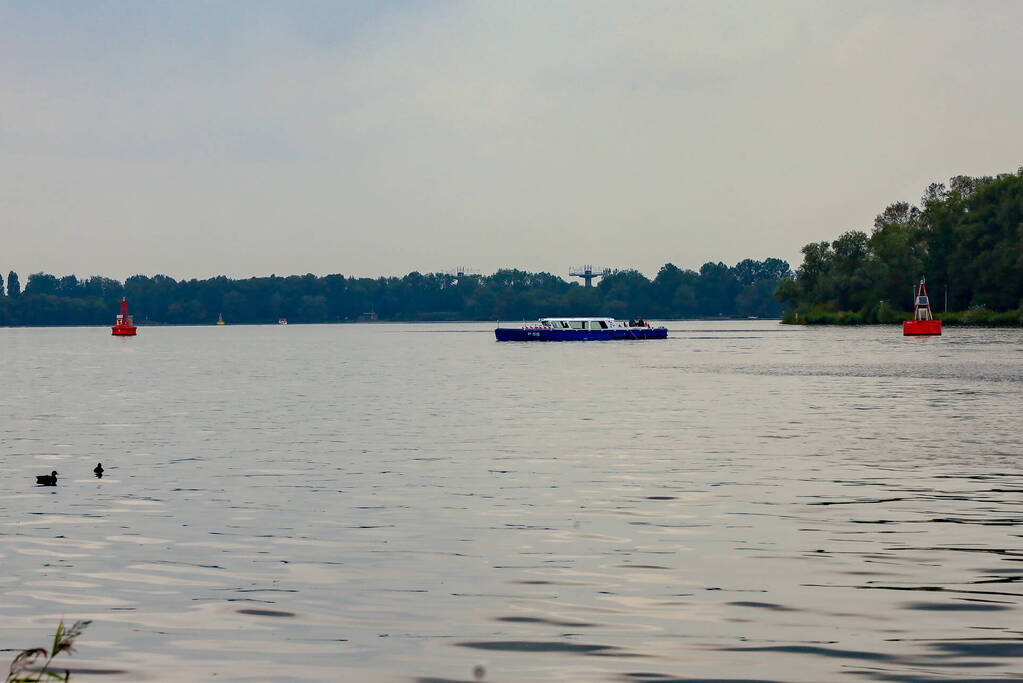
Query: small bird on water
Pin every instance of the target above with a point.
(47, 479)
(98, 469)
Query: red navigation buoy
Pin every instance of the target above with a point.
(922, 322)
(124, 326)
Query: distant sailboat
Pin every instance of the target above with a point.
(220, 319)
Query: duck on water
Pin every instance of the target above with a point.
(47, 479)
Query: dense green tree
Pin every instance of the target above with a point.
(68, 286)
(673, 292)
(897, 251)
(683, 301)
(756, 300)
(813, 276)
(966, 239)
(851, 269)
(41, 283)
(624, 291)
(750, 271)
(789, 293)
(716, 289)
(509, 294)
(101, 287)
(668, 278)
(13, 284)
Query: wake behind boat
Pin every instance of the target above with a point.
(581, 329)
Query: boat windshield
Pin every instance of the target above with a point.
(579, 323)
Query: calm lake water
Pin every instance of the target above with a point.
(744, 501)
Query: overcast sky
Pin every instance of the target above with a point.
(369, 138)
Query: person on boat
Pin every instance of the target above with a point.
(641, 323)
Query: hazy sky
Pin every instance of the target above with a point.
(244, 138)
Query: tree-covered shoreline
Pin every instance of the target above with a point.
(965, 238)
(717, 290)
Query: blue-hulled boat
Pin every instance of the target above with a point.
(581, 329)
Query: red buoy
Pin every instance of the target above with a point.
(922, 323)
(124, 326)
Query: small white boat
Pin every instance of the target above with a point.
(282, 321)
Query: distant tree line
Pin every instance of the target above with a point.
(745, 289)
(965, 238)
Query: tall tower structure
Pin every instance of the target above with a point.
(587, 273)
(462, 271)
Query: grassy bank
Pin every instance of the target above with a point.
(884, 315)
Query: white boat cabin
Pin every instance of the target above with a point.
(582, 323)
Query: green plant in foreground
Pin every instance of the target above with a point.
(23, 668)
